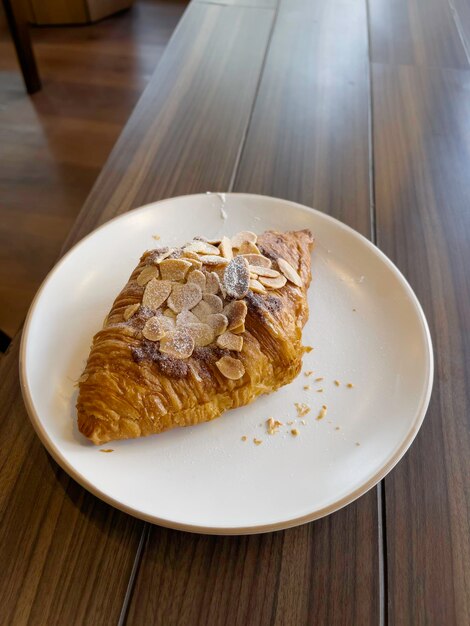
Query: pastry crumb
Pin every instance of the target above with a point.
(319, 379)
(302, 408)
(244, 438)
(272, 426)
(357, 443)
(308, 349)
(303, 422)
(354, 310)
(257, 442)
(337, 383)
(306, 387)
(294, 432)
(320, 390)
(156, 237)
(290, 422)
(322, 413)
(106, 450)
(349, 385)
(308, 373)
(337, 427)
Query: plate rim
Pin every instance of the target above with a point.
(394, 458)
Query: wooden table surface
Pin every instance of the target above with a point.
(362, 111)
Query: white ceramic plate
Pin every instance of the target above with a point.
(366, 326)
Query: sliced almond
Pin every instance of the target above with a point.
(161, 257)
(214, 302)
(178, 344)
(187, 254)
(235, 313)
(218, 323)
(231, 368)
(242, 237)
(156, 292)
(154, 328)
(273, 283)
(168, 323)
(202, 310)
(212, 283)
(229, 341)
(174, 269)
(202, 247)
(202, 334)
(210, 259)
(238, 330)
(184, 297)
(169, 313)
(264, 271)
(289, 272)
(237, 278)
(256, 286)
(146, 275)
(195, 263)
(197, 277)
(226, 248)
(130, 310)
(186, 317)
(248, 247)
(258, 260)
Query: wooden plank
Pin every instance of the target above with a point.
(422, 164)
(66, 557)
(308, 139)
(309, 130)
(59, 546)
(415, 32)
(53, 146)
(185, 133)
(279, 578)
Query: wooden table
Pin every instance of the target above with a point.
(363, 112)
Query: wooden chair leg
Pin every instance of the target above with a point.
(19, 30)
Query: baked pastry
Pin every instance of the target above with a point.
(196, 331)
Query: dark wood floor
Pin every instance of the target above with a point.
(53, 144)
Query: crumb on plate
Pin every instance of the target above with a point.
(272, 426)
(322, 413)
(302, 408)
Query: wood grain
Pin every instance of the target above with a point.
(314, 574)
(68, 557)
(422, 186)
(184, 136)
(58, 544)
(415, 32)
(53, 146)
(326, 572)
(308, 138)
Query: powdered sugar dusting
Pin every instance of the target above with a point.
(237, 278)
